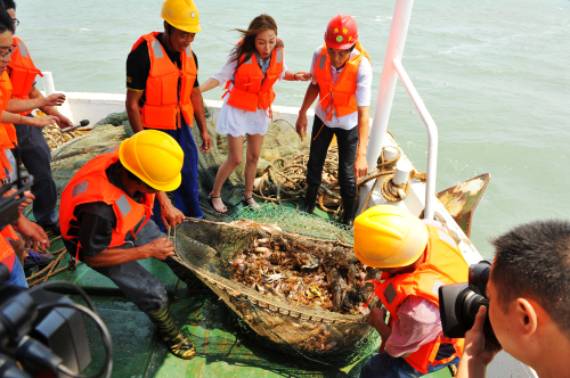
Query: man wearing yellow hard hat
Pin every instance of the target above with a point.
(105, 221)
(415, 260)
(163, 94)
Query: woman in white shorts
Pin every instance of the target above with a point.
(254, 66)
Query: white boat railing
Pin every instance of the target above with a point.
(394, 69)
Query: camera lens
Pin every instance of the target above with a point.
(471, 304)
(479, 275)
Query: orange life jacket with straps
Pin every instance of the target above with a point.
(7, 130)
(91, 184)
(338, 96)
(443, 264)
(22, 70)
(168, 88)
(252, 89)
(7, 254)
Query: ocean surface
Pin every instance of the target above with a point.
(494, 74)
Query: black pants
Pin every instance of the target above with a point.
(137, 283)
(36, 157)
(347, 141)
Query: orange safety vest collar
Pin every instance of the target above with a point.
(168, 88)
(251, 88)
(443, 264)
(91, 184)
(22, 70)
(339, 96)
(8, 136)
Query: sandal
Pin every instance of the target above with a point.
(251, 203)
(223, 210)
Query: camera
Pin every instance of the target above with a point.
(459, 304)
(42, 332)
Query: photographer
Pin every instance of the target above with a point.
(529, 302)
(415, 259)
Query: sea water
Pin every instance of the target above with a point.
(494, 75)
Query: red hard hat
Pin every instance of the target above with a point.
(341, 33)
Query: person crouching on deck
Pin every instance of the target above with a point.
(415, 259)
(255, 65)
(105, 221)
(163, 94)
(342, 78)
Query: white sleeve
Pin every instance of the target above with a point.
(227, 71)
(364, 83)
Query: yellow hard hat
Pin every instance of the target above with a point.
(387, 236)
(154, 157)
(182, 14)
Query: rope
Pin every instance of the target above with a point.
(52, 268)
(285, 179)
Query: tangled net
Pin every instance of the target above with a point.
(285, 179)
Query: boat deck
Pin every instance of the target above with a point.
(223, 349)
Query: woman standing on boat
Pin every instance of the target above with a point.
(342, 78)
(255, 65)
(163, 94)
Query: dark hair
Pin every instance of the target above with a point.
(9, 4)
(534, 260)
(6, 22)
(258, 25)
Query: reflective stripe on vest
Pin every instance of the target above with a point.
(168, 88)
(443, 264)
(252, 89)
(23, 71)
(337, 97)
(91, 184)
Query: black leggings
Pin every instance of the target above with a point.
(347, 141)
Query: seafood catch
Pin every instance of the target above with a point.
(320, 280)
(300, 293)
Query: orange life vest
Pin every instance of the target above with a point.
(91, 184)
(7, 130)
(251, 88)
(443, 265)
(338, 96)
(7, 254)
(22, 70)
(168, 88)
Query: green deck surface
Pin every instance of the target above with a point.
(223, 349)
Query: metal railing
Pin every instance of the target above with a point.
(393, 69)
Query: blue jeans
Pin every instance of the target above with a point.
(187, 197)
(382, 365)
(17, 276)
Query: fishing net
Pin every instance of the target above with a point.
(209, 249)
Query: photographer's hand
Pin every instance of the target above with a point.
(476, 356)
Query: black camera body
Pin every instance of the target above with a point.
(459, 303)
(37, 337)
